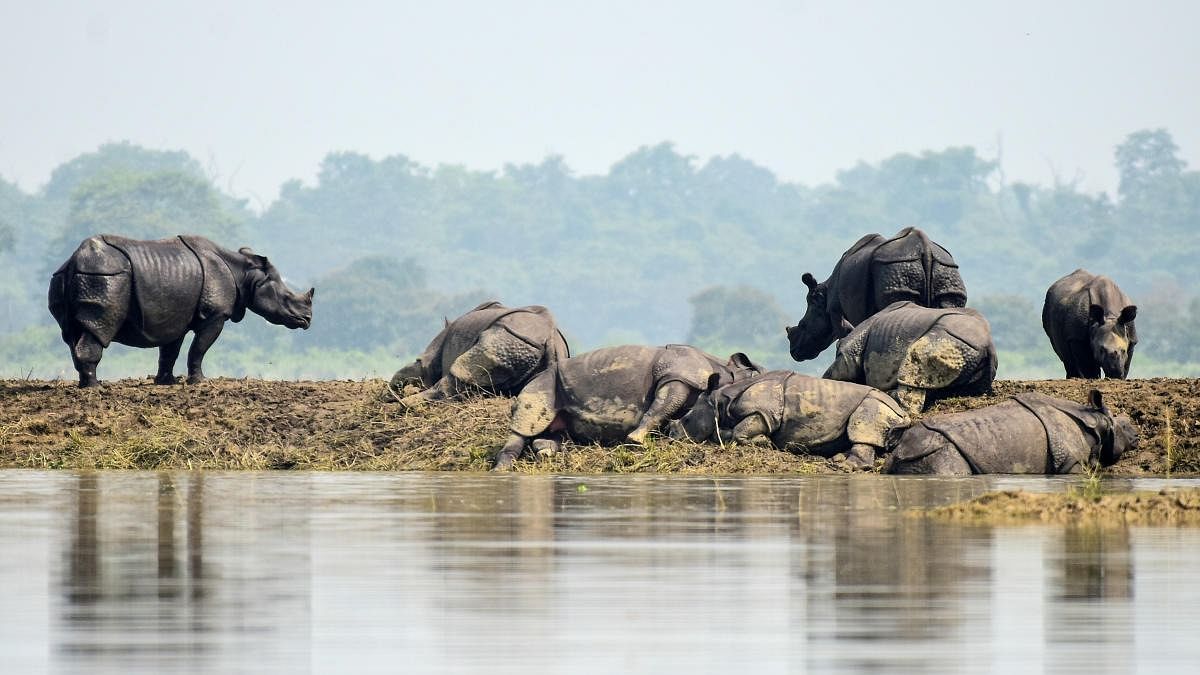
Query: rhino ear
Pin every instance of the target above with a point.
(1096, 314)
(843, 329)
(1096, 399)
(1128, 314)
(740, 360)
(809, 281)
(311, 293)
(256, 261)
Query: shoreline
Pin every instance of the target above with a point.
(336, 425)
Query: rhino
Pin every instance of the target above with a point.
(1028, 433)
(614, 394)
(151, 293)
(873, 274)
(798, 413)
(1090, 323)
(491, 348)
(919, 354)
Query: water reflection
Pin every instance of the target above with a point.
(298, 572)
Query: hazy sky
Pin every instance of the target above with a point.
(260, 92)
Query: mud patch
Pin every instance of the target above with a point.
(1167, 507)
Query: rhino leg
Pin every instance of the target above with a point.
(440, 390)
(921, 451)
(750, 428)
(1082, 364)
(167, 355)
(206, 334)
(868, 426)
(85, 353)
(547, 447)
(535, 411)
(668, 400)
(912, 399)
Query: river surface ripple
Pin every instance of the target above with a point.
(361, 572)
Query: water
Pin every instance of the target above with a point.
(299, 572)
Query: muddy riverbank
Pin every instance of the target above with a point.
(339, 425)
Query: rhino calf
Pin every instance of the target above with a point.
(151, 293)
(798, 413)
(1029, 433)
(492, 348)
(1089, 321)
(614, 394)
(918, 354)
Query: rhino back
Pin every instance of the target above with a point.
(849, 292)
(167, 281)
(1002, 438)
(911, 267)
(1065, 312)
(463, 332)
(815, 411)
(889, 336)
(605, 392)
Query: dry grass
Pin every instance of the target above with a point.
(341, 425)
(1168, 507)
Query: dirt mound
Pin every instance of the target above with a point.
(1168, 507)
(256, 424)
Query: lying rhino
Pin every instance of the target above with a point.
(614, 394)
(1090, 325)
(917, 354)
(151, 293)
(1029, 433)
(491, 348)
(873, 274)
(797, 412)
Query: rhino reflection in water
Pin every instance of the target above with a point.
(151, 293)
(1029, 433)
(614, 394)
(797, 412)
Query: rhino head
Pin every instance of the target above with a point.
(270, 298)
(1121, 435)
(1112, 339)
(816, 329)
(700, 422)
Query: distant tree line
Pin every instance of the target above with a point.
(662, 248)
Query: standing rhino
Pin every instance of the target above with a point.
(873, 274)
(1029, 433)
(151, 293)
(492, 348)
(1090, 325)
(614, 394)
(917, 354)
(797, 412)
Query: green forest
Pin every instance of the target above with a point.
(665, 247)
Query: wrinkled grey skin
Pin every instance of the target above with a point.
(797, 413)
(614, 394)
(1029, 433)
(919, 354)
(873, 274)
(151, 293)
(1090, 323)
(492, 348)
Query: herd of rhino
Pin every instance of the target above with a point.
(895, 306)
